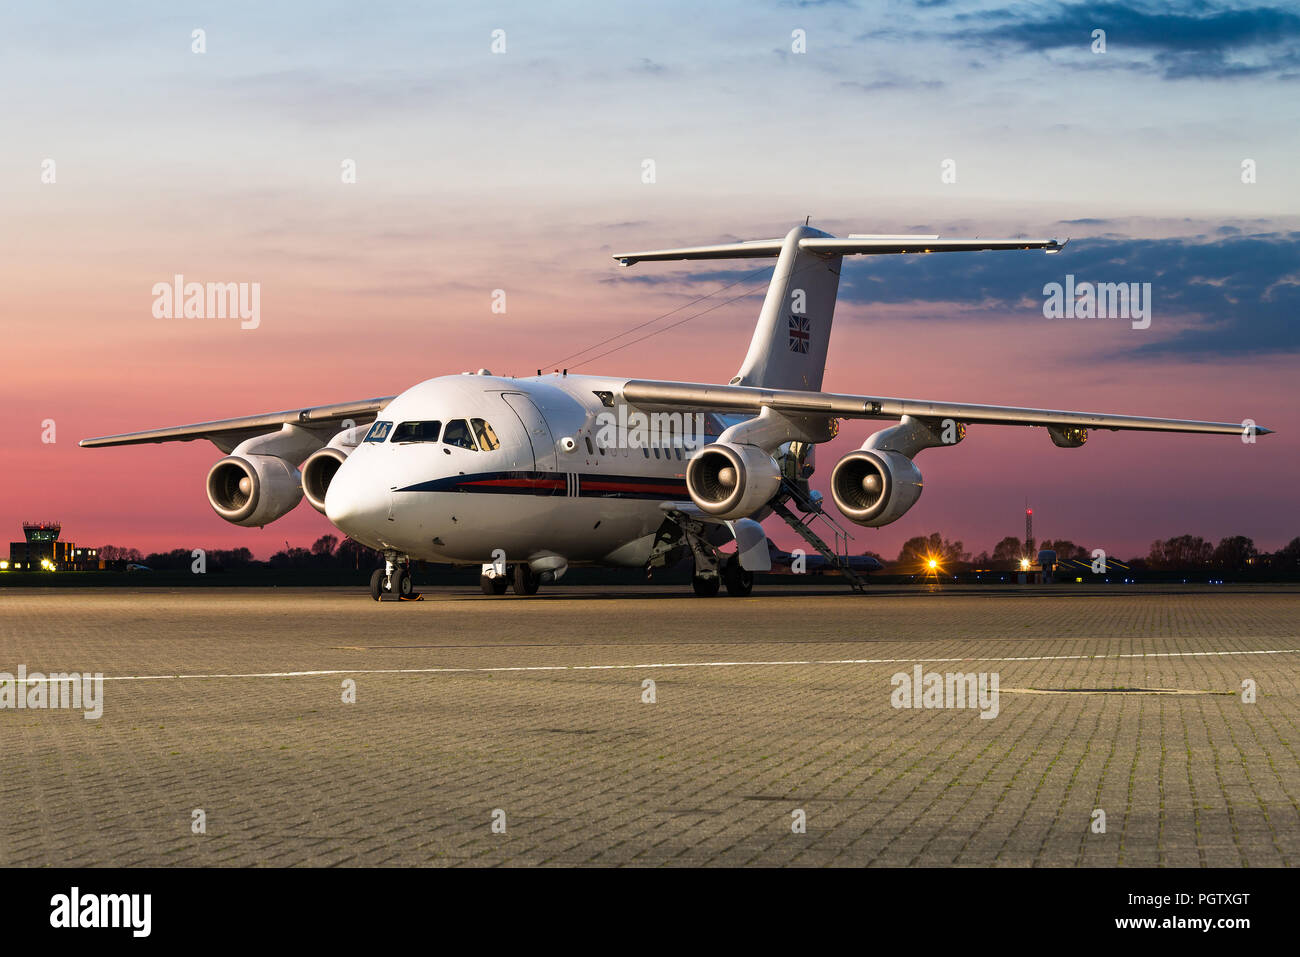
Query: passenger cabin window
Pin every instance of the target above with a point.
(417, 432)
(487, 437)
(379, 431)
(459, 435)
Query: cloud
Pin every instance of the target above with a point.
(646, 65)
(1198, 40)
(893, 82)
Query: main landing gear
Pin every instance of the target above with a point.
(494, 586)
(519, 575)
(705, 587)
(393, 581)
(739, 583)
(713, 568)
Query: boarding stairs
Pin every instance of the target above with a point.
(797, 494)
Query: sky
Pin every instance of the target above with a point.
(522, 170)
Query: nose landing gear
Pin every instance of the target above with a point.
(393, 580)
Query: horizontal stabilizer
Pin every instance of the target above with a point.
(835, 246)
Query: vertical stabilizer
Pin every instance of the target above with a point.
(788, 350)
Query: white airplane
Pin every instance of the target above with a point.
(527, 476)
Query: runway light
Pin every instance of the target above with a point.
(4, 566)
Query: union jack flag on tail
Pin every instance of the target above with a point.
(800, 334)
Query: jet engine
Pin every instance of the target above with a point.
(874, 487)
(732, 481)
(253, 490)
(319, 469)
(317, 472)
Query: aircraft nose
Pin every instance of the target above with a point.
(355, 502)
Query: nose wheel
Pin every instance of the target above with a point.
(391, 581)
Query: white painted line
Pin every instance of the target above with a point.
(691, 664)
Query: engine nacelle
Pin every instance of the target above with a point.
(253, 490)
(732, 481)
(874, 487)
(317, 472)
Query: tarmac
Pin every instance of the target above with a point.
(523, 732)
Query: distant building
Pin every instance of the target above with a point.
(43, 550)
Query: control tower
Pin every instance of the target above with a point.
(42, 547)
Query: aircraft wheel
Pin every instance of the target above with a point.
(400, 583)
(377, 585)
(705, 587)
(526, 582)
(494, 586)
(739, 582)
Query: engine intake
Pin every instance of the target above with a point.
(317, 473)
(253, 490)
(874, 487)
(732, 481)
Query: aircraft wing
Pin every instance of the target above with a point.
(702, 397)
(225, 434)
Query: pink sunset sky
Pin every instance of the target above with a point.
(522, 171)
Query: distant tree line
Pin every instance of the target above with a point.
(1181, 553)
(327, 553)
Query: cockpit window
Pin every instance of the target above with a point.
(458, 434)
(487, 437)
(417, 432)
(379, 431)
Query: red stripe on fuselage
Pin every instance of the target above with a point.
(595, 485)
(520, 483)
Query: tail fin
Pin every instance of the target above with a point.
(788, 350)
